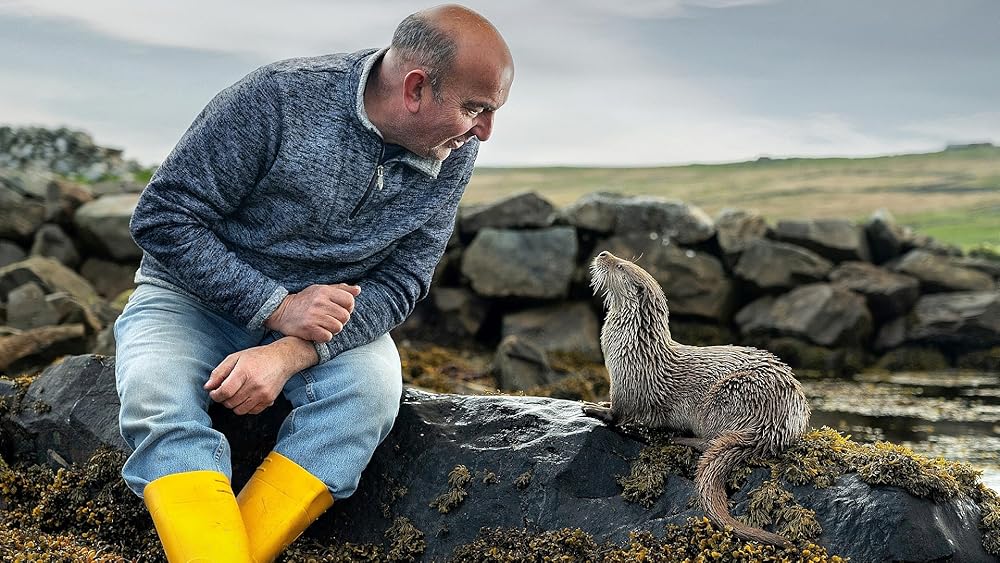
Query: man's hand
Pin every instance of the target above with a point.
(316, 313)
(248, 381)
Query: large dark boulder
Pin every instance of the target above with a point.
(939, 273)
(695, 282)
(534, 264)
(70, 410)
(456, 464)
(522, 210)
(833, 239)
(888, 294)
(822, 313)
(769, 265)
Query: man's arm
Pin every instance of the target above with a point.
(391, 291)
(226, 151)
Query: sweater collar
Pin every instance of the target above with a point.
(428, 166)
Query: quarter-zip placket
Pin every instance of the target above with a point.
(374, 183)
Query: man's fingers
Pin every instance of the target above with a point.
(261, 407)
(221, 372)
(318, 334)
(343, 296)
(229, 387)
(245, 407)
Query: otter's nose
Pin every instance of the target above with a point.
(604, 254)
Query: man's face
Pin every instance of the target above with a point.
(463, 109)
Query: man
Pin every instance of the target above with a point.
(297, 221)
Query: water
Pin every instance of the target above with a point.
(954, 415)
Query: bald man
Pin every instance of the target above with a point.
(295, 223)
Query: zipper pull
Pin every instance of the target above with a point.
(378, 177)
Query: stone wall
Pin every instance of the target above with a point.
(825, 294)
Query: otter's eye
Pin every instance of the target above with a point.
(620, 266)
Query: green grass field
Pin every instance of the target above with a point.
(953, 195)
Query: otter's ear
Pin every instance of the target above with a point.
(640, 289)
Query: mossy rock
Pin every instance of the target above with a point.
(807, 356)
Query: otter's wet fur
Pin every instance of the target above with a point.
(736, 401)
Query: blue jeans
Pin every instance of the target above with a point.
(168, 343)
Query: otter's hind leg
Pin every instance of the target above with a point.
(600, 411)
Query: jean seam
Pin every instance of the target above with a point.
(218, 453)
(310, 392)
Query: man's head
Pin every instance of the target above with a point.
(445, 74)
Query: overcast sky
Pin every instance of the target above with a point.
(598, 82)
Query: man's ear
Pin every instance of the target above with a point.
(416, 84)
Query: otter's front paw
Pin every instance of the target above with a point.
(600, 411)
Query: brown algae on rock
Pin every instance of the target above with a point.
(819, 459)
(457, 479)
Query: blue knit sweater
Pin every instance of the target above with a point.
(277, 186)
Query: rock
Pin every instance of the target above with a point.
(51, 275)
(535, 264)
(20, 216)
(736, 229)
(109, 278)
(10, 253)
(71, 409)
(597, 212)
(803, 355)
(695, 282)
(960, 320)
(63, 198)
(27, 308)
(520, 364)
(52, 242)
(518, 211)
(886, 239)
(459, 310)
(104, 225)
(570, 328)
(669, 218)
(821, 313)
(891, 334)
(531, 462)
(980, 360)
(913, 358)
(938, 273)
(888, 295)
(989, 266)
(776, 265)
(834, 239)
(37, 347)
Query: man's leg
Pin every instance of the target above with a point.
(342, 410)
(167, 345)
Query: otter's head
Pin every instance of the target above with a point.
(626, 286)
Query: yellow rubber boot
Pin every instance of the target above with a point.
(197, 518)
(278, 503)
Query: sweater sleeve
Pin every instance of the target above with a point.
(219, 160)
(391, 291)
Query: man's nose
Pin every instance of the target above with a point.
(484, 126)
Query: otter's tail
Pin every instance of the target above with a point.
(724, 452)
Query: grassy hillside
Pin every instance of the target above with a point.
(953, 195)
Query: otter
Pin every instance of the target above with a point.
(736, 401)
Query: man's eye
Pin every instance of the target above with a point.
(473, 111)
